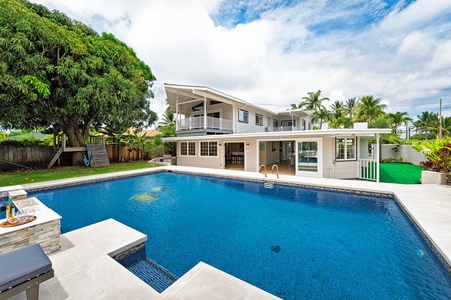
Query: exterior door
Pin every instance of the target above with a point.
(309, 157)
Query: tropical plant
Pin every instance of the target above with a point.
(379, 122)
(341, 122)
(427, 122)
(397, 119)
(155, 146)
(369, 108)
(320, 115)
(313, 101)
(338, 109)
(438, 155)
(350, 107)
(59, 73)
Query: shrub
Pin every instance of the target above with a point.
(27, 141)
(438, 155)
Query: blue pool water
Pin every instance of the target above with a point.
(296, 243)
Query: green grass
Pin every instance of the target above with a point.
(32, 176)
(400, 173)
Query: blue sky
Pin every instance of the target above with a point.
(274, 52)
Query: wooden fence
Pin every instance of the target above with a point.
(39, 156)
(29, 156)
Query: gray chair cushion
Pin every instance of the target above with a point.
(20, 265)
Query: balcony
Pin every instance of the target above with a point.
(197, 126)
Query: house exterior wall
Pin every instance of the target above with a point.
(250, 126)
(339, 169)
(255, 156)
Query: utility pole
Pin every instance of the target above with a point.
(440, 120)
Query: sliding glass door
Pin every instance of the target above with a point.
(308, 157)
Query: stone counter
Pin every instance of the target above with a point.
(45, 230)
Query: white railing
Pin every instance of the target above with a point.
(198, 123)
(367, 169)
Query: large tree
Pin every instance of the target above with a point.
(397, 119)
(369, 109)
(59, 73)
(427, 122)
(313, 101)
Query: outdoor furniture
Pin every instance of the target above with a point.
(23, 270)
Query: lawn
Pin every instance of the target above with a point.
(31, 176)
(400, 173)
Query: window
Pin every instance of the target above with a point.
(188, 149)
(208, 148)
(258, 120)
(243, 116)
(345, 148)
(275, 124)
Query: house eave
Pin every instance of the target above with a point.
(294, 134)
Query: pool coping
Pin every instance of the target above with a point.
(428, 206)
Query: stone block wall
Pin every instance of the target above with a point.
(45, 234)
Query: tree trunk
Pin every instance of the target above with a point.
(76, 138)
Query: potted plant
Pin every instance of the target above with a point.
(438, 160)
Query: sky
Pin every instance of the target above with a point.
(273, 52)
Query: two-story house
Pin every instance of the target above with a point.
(216, 130)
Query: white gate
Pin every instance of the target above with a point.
(368, 169)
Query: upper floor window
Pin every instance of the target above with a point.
(275, 123)
(209, 148)
(243, 116)
(187, 148)
(258, 120)
(345, 148)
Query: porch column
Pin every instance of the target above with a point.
(377, 158)
(205, 112)
(177, 118)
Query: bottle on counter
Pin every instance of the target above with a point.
(10, 210)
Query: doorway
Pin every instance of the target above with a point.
(308, 158)
(234, 156)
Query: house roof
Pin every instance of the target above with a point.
(190, 92)
(286, 134)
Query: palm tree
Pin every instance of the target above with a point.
(294, 106)
(399, 118)
(168, 118)
(350, 107)
(337, 109)
(427, 121)
(446, 126)
(313, 101)
(321, 115)
(380, 122)
(369, 108)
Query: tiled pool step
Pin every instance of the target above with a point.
(148, 270)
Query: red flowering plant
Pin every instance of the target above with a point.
(438, 155)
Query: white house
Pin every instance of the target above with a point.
(216, 130)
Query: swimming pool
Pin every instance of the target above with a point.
(290, 241)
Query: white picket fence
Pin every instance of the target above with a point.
(367, 169)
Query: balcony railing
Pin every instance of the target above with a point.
(198, 123)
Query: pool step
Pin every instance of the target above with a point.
(149, 271)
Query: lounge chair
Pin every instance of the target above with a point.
(23, 270)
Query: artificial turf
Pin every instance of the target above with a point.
(403, 173)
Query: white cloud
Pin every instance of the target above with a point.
(279, 57)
